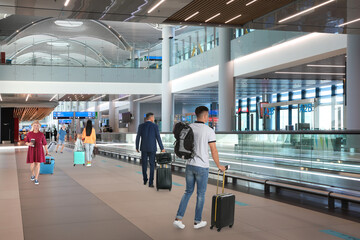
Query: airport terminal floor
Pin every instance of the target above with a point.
(109, 201)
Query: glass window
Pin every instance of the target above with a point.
(284, 119)
(274, 98)
(324, 117)
(310, 93)
(297, 95)
(325, 91)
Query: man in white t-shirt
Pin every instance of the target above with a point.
(197, 168)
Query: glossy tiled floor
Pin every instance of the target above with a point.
(109, 201)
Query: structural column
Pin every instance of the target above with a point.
(167, 107)
(135, 111)
(267, 119)
(112, 111)
(226, 81)
(353, 82)
(97, 121)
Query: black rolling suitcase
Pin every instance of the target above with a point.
(163, 177)
(222, 209)
(163, 158)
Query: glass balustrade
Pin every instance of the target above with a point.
(319, 158)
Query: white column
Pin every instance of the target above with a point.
(97, 121)
(353, 82)
(135, 111)
(166, 95)
(226, 81)
(112, 111)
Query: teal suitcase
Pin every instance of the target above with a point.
(79, 158)
(48, 166)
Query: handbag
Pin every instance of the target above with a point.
(96, 151)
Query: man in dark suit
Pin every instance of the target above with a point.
(148, 132)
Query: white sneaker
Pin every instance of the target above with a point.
(200, 225)
(178, 224)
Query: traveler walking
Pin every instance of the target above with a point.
(148, 132)
(36, 142)
(197, 168)
(89, 138)
(61, 139)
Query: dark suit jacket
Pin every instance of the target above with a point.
(149, 134)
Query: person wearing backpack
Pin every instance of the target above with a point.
(197, 166)
(149, 134)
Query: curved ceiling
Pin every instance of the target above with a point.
(68, 42)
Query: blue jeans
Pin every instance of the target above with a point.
(199, 176)
(89, 148)
(144, 158)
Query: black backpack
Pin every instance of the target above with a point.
(184, 144)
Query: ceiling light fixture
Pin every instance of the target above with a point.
(347, 23)
(66, 3)
(27, 97)
(311, 73)
(99, 97)
(64, 23)
(327, 66)
(191, 16)
(53, 98)
(212, 17)
(126, 96)
(229, 2)
(305, 11)
(0, 98)
(58, 44)
(158, 4)
(233, 18)
(249, 3)
(139, 99)
(138, 10)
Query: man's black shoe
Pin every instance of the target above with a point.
(151, 185)
(145, 182)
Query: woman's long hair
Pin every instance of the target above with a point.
(88, 127)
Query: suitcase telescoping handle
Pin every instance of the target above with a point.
(223, 185)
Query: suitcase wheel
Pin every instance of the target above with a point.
(219, 229)
(74, 165)
(84, 164)
(211, 227)
(230, 226)
(157, 189)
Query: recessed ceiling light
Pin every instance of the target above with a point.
(58, 44)
(66, 3)
(305, 11)
(0, 98)
(191, 16)
(327, 66)
(66, 23)
(249, 3)
(123, 97)
(99, 97)
(212, 17)
(27, 97)
(233, 18)
(347, 23)
(53, 98)
(311, 73)
(230, 2)
(158, 4)
(143, 98)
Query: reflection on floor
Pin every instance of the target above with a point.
(109, 201)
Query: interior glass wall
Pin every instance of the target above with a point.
(319, 158)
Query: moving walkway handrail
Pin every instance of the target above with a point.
(331, 195)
